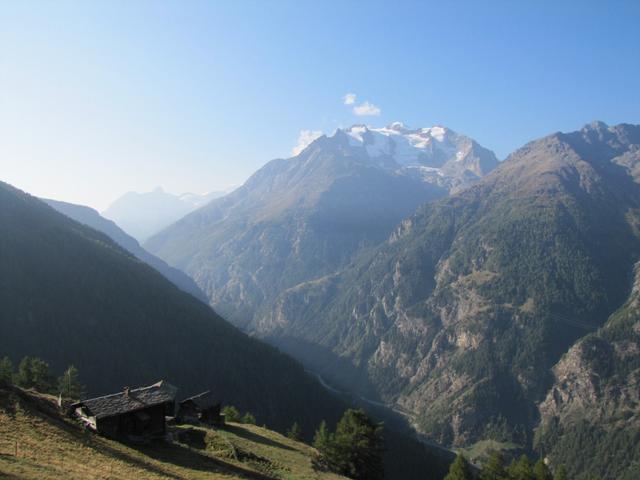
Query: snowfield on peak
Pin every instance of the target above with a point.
(436, 154)
(406, 146)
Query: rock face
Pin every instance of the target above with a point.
(92, 218)
(590, 419)
(461, 314)
(301, 218)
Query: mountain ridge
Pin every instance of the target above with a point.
(93, 219)
(144, 214)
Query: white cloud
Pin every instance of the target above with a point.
(366, 109)
(304, 139)
(349, 99)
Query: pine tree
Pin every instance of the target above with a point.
(541, 471)
(493, 468)
(322, 439)
(231, 413)
(521, 469)
(23, 376)
(248, 418)
(561, 473)
(357, 447)
(34, 373)
(6, 370)
(294, 432)
(69, 385)
(459, 469)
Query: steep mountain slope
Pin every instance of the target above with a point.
(92, 218)
(590, 419)
(144, 214)
(70, 295)
(460, 315)
(306, 216)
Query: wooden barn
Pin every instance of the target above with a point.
(203, 407)
(133, 414)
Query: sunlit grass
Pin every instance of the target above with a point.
(51, 446)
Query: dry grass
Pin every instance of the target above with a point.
(52, 447)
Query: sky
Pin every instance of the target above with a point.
(100, 98)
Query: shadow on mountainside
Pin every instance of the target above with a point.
(254, 437)
(186, 457)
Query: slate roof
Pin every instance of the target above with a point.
(137, 399)
(202, 400)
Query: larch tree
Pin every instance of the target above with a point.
(459, 469)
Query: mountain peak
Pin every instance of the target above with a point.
(144, 214)
(438, 132)
(596, 125)
(408, 147)
(397, 126)
(435, 154)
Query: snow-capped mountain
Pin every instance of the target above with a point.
(436, 154)
(307, 216)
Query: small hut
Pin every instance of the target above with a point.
(203, 407)
(134, 414)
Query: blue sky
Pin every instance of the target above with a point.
(98, 98)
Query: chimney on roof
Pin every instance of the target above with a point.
(126, 391)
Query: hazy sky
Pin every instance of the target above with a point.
(98, 98)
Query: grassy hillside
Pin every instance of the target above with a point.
(51, 446)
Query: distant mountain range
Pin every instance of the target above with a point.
(92, 218)
(401, 265)
(144, 214)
